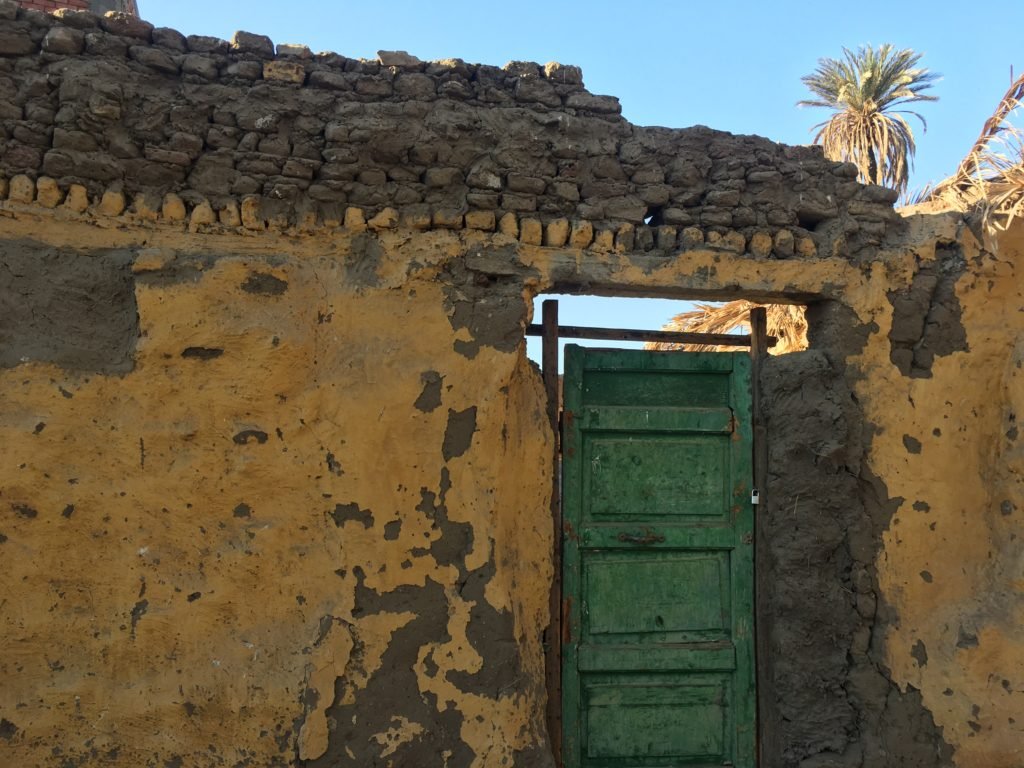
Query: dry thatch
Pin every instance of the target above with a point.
(786, 322)
(990, 179)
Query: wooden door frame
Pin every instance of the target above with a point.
(758, 342)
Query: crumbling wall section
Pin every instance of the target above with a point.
(110, 115)
(275, 472)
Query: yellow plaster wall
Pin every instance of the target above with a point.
(146, 615)
(951, 563)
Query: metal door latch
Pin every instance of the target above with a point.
(755, 497)
(646, 536)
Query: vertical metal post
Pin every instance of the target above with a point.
(553, 654)
(767, 726)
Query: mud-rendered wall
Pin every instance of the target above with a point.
(274, 471)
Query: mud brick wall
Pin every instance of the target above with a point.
(275, 470)
(111, 113)
(96, 6)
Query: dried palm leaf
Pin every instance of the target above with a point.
(787, 322)
(990, 178)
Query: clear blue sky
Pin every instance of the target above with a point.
(733, 66)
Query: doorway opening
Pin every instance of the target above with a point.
(785, 321)
(664, 409)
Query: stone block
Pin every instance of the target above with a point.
(48, 193)
(77, 199)
(627, 208)
(482, 220)
(372, 177)
(518, 69)
(805, 248)
(534, 90)
(744, 217)
(207, 44)
(442, 177)
(691, 237)
(99, 43)
(734, 241)
(416, 217)
(678, 216)
(331, 81)
(258, 45)
(112, 203)
(400, 59)
(173, 208)
(485, 200)
(21, 189)
(447, 218)
(126, 25)
(169, 156)
(455, 89)
(519, 203)
(188, 143)
(245, 70)
(407, 195)
(8, 10)
(604, 241)
(625, 238)
(200, 65)
(556, 233)
(722, 198)
(654, 194)
(355, 219)
(517, 182)
(582, 234)
(252, 217)
(16, 41)
(202, 214)
(665, 237)
(64, 40)
(229, 215)
(761, 244)
(415, 86)
(531, 232)
(294, 50)
(783, 244)
(386, 219)
(716, 217)
(481, 178)
(563, 74)
(648, 175)
(166, 37)
(606, 105)
(147, 206)
(299, 169)
(509, 225)
(284, 71)
(373, 86)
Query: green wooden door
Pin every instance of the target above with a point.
(658, 573)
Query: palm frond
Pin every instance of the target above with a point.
(990, 178)
(787, 322)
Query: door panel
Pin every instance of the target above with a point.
(658, 560)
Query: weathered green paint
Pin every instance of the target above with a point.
(658, 644)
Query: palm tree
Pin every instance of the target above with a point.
(786, 322)
(866, 89)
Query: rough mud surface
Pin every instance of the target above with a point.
(834, 705)
(67, 307)
(926, 319)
